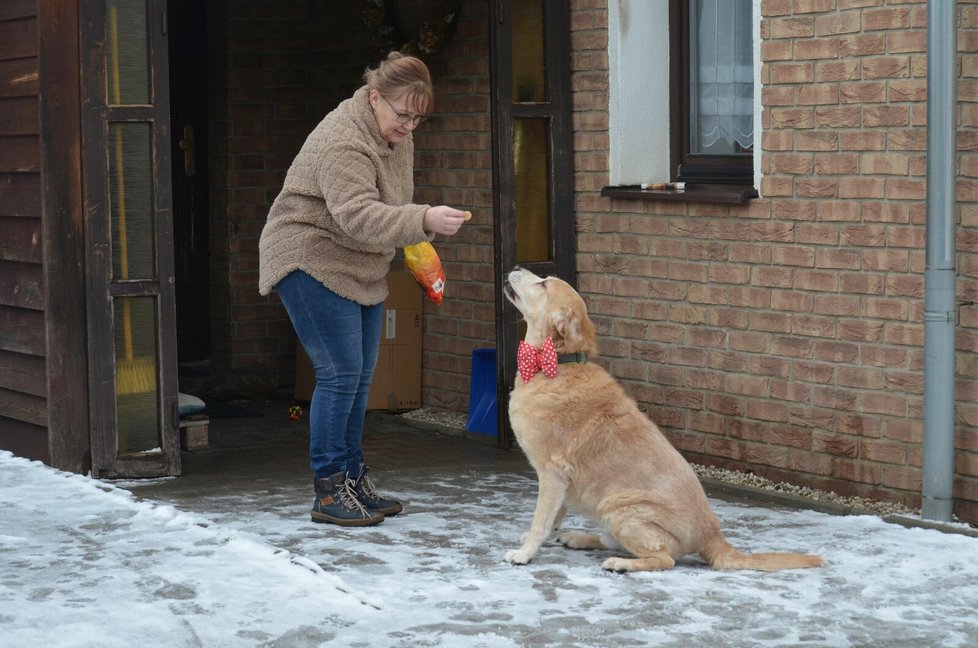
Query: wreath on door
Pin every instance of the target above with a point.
(420, 28)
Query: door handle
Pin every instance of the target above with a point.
(187, 146)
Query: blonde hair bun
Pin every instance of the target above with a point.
(402, 75)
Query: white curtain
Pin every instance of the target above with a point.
(722, 83)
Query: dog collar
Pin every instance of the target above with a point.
(572, 358)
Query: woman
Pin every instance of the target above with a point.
(344, 209)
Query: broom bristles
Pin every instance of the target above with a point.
(135, 376)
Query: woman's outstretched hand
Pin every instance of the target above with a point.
(444, 220)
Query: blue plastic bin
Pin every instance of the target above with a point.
(482, 393)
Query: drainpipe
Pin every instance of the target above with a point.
(939, 274)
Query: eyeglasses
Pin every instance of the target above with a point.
(402, 117)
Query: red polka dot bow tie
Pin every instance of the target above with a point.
(530, 360)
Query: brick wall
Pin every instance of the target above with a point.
(453, 166)
(786, 336)
(276, 69)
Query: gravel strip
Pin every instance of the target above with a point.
(445, 418)
(847, 501)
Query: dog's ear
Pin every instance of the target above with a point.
(574, 330)
(557, 324)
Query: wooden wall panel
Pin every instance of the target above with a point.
(18, 78)
(19, 38)
(23, 345)
(20, 154)
(24, 439)
(63, 234)
(14, 9)
(21, 285)
(19, 116)
(22, 372)
(20, 194)
(22, 330)
(20, 239)
(23, 407)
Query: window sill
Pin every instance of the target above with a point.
(706, 193)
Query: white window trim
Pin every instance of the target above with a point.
(638, 110)
(638, 97)
(758, 105)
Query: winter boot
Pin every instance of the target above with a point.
(336, 502)
(370, 498)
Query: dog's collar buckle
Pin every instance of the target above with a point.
(572, 358)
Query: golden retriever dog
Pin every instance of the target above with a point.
(594, 451)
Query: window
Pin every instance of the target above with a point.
(712, 90)
(684, 98)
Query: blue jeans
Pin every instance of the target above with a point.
(341, 338)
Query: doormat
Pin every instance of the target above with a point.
(227, 410)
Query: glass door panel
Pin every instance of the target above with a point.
(127, 58)
(528, 44)
(136, 368)
(131, 197)
(531, 161)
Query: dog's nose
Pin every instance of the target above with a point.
(517, 268)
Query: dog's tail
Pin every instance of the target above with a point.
(721, 555)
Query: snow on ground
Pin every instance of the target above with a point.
(88, 564)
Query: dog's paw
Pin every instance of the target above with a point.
(578, 540)
(518, 557)
(653, 562)
(619, 565)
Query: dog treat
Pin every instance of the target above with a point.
(468, 215)
(423, 262)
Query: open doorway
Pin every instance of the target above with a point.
(188, 135)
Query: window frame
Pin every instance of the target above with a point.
(687, 166)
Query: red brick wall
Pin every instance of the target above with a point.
(276, 69)
(786, 336)
(454, 166)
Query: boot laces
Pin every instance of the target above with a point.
(348, 497)
(368, 489)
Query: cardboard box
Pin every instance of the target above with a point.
(396, 384)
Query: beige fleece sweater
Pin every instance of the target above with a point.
(345, 207)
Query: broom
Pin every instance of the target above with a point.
(132, 375)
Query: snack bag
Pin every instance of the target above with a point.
(423, 262)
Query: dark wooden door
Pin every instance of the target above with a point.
(188, 115)
(129, 239)
(533, 178)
